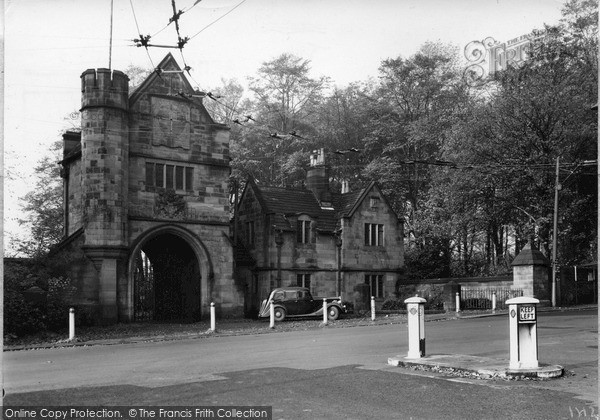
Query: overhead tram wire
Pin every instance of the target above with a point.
(144, 41)
(187, 9)
(215, 21)
(142, 38)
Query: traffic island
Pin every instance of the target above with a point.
(475, 366)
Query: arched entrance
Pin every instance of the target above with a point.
(166, 280)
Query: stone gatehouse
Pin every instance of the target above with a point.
(146, 201)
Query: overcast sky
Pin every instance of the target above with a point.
(49, 43)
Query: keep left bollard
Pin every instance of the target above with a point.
(213, 321)
(324, 311)
(272, 315)
(415, 309)
(71, 323)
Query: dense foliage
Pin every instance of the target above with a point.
(471, 169)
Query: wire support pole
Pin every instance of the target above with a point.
(555, 232)
(111, 36)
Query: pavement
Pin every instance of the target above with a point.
(475, 366)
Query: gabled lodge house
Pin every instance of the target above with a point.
(147, 214)
(329, 242)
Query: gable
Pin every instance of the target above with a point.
(170, 97)
(351, 202)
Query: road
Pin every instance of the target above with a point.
(320, 373)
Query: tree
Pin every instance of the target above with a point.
(417, 102)
(43, 207)
(284, 115)
(506, 148)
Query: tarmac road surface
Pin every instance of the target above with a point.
(321, 373)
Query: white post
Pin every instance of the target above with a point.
(457, 302)
(493, 301)
(324, 311)
(71, 323)
(272, 314)
(372, 308)
(415, 308)
(213, 321)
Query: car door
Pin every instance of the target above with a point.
(292, 302)
(305, 303)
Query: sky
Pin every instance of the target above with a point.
(49, 43)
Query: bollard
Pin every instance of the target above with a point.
(522, 313)
(493, 302)
(324, 311)
(71, 323)
(457, 302)
(415, 311)
(272, 315)
(213, 322)
(372, 308)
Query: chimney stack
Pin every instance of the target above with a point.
(317, 177)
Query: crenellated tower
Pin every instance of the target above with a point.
(104, 177)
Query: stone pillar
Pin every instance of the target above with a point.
(279, 244)
(450, 291)
(530, 273)
(338, 263)
(109, 263)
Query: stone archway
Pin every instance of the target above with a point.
(168, 277)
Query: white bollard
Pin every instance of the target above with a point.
(71, 323)
(457, 302)
(272, 315)
(213, 322)
(493, 302)
(324, 311)
(415, 310)
(372, 308)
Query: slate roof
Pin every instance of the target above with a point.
(285, 202)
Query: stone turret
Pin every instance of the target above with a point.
(104, 180)
(104, 152)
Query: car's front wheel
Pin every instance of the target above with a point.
(333, 313)
(279, 313)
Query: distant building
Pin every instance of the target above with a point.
(146, 201)
(313, 237)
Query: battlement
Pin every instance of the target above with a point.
(103, 87)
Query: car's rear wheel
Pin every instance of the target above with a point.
(279, 313)
(333, 313)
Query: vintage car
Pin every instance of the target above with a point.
(298, 302)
